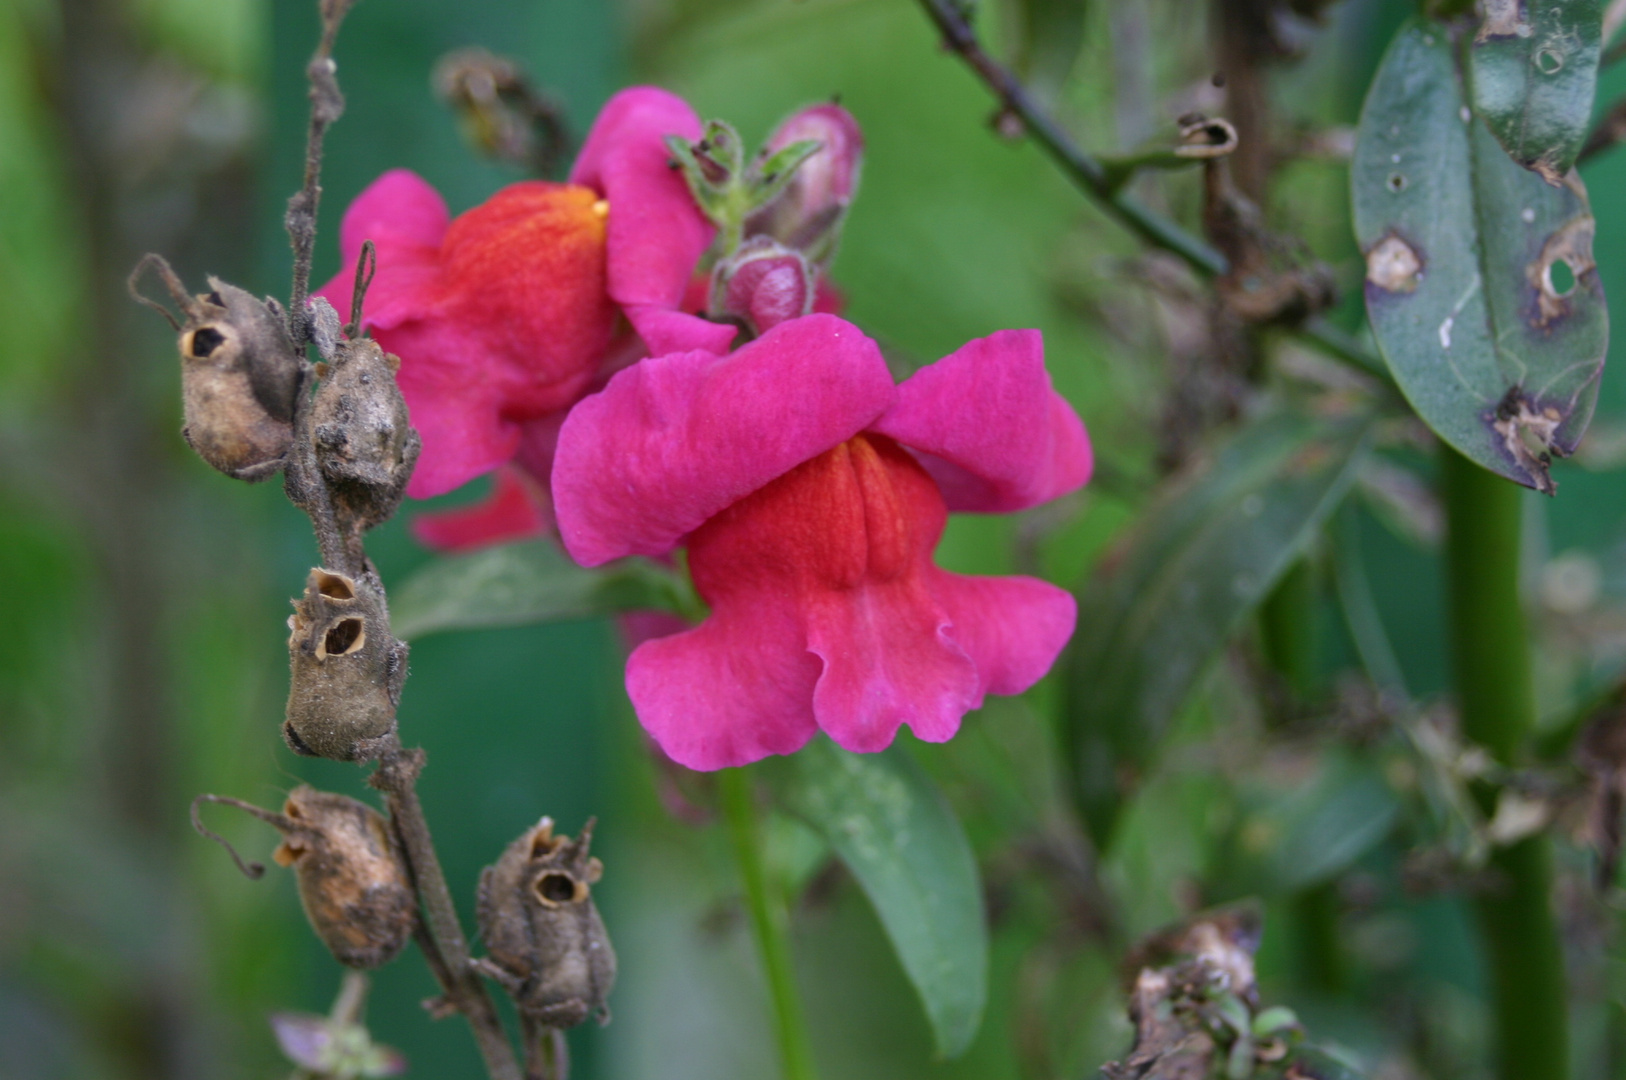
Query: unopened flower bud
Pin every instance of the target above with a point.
(807, 215)
(365, 442)
(545, 942)
(346, 669)
(352, 876)
(239, 374)
(762, 284)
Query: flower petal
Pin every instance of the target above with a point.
(457, 406)
(515, 510)
(990, 428)
(887, 661)
(1013, 628)
(656, 232)
(666, 331)
(733, 690)
(674, 439)
(406, 220)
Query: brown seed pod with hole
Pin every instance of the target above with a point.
(239, 375)
(352, 876)
(365, 441)
(545, 942)
(346, 669)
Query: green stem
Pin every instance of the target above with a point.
(769, 921)
(1491, 662)
(1097, 181)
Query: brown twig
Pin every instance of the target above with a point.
(441, 934)
(327, 105)
(396, 777)
(1088, 174)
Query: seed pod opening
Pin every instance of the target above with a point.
(239, 375)
(345, 669)
(545, 942)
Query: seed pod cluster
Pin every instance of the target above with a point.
(346, 668)
(365, 442)
(353, 879)
(239, 375)
(545, 942)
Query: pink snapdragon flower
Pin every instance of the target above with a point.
(811, 492)
(503, 317)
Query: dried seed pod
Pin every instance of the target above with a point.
(352, 876)
(346, 669)
(365, 442)
(239, 375)
(545, 941)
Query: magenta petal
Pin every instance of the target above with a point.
(992, 431)
(406, 220)
(672, 440)
(515, 510)
(666, 331)
(887, 662)
(1013, 628)
(457, 410)
(656, 233)
(729, 692)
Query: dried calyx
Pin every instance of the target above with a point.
(545, 942)
(366, 446)
(346, 668)
(239, 373)
(353, 880)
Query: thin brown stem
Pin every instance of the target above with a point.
(547, 1054)
(303, 483)
(1088, 174)
(327, 105)
(396, 777)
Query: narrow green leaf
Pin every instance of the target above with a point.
(531, 581)
(1152, 619)
(893, 829)
(1534, 68)
(1480, 284)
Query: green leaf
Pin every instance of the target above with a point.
(1204, 554)
(531, 581)
(1534, 73)
(1480, 285)
(897, 835)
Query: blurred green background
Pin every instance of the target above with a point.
(143, 597)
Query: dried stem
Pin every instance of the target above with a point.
(327, 105)
(1091, 176)
(441, 934)
(396, 777)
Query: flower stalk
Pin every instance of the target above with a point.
(769, 923)
(1491, 662)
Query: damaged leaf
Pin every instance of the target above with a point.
(1484, 296)
(1156, 614)
(1534, 72)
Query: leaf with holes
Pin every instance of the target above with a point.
(1480, 281)
(894, 831)
(531, 581)
(1533, 67)
(1157, 611)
